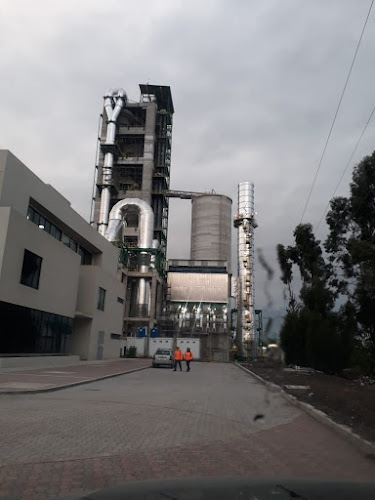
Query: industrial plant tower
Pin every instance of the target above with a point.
(133, 162)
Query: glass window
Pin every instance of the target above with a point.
(120, 300)
(58, 234)
(101, 298)
(86, 257)
(52, 231)
(36, 217)
(65, 239)
(30, 213)
(42, 222)
(47, 226)
(73, 245)
(31, 267)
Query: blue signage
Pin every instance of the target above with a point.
(154, 332)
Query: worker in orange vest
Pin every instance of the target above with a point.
(178, 357)
(188, 358)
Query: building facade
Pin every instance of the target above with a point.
(60, 281)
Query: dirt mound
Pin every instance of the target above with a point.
(347, 401)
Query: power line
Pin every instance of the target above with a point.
(347, 166)
(337, 111)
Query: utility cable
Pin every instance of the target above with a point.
(337, 111)
(347, 166)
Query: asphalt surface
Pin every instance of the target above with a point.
(153, 424)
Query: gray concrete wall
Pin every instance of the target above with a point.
(110, 320)
(58, 283)
(4, 221)
(80, 344)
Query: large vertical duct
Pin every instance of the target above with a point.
(113, 103)
(146, 231)
(245, 224)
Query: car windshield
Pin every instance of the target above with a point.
(187, 248)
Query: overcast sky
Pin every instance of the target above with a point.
(255, 85)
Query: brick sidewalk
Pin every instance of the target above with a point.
(47, 379)
(160, 424)
(301, 449)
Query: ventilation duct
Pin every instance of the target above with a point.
(113, 103)
(117, 217)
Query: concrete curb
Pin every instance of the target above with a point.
(366, 447)
(73, 384)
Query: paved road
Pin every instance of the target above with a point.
(158, 423)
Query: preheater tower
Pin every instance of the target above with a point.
(132, 173)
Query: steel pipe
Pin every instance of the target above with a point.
(114, 101)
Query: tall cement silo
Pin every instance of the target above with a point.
(211, 222)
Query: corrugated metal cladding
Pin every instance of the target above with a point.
(194, 287)
(211, 227)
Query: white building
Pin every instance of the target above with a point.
(60, 281)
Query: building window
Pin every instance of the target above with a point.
(46, 225)
(116, 336)
(31, 269)
(120, 300)
(86, 257)
(101, 298)
(25, 330)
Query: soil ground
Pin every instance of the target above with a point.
(348, 402)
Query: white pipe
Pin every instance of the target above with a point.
(114, 100)
(146, 231)
(145, 224)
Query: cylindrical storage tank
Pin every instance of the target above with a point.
(211, 226)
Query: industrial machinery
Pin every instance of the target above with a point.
(245, 224)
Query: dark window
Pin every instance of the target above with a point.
(36, 217)
(73, 245)
(30, 213)
(58, 234)
(115, 336)
(30, 331)
(53, 230)
(119, 299)
(42, 222)
(31, 269)
(86, 257)
(101, 299)
(65, 240)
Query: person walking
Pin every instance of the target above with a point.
(178, 357)
(188, 357)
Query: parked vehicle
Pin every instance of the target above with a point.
(163, 357)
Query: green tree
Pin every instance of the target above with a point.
(309, 334)
(351, 248)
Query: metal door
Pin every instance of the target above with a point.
(99, 354)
